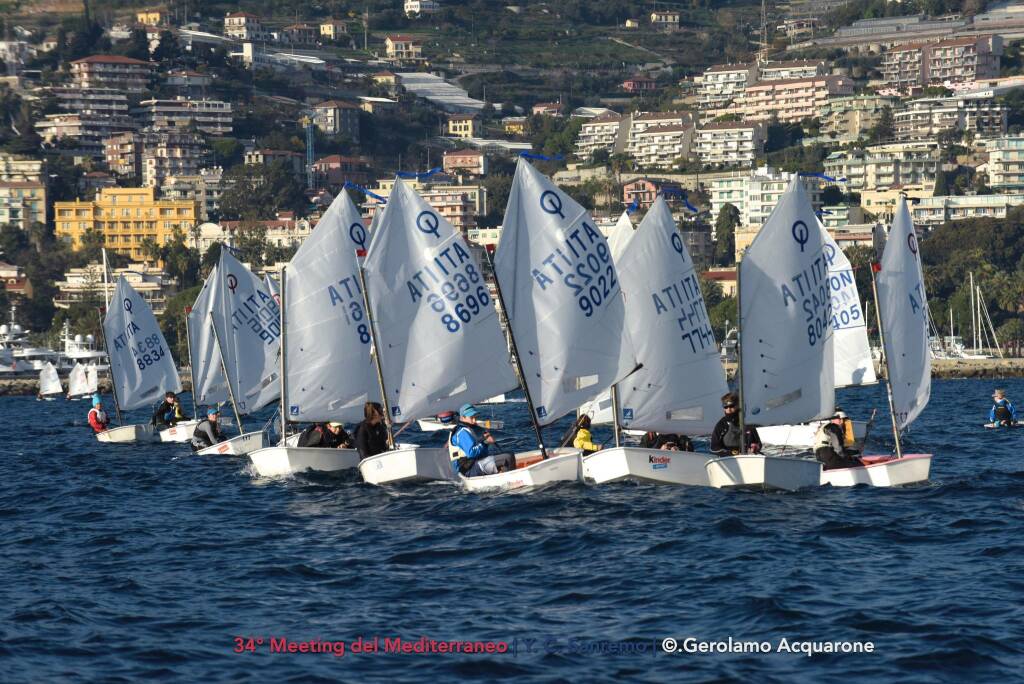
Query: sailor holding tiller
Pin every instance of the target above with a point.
(471, 451)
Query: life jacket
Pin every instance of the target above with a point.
(1002, 413)
(731, 438)
(824, 436)
(849, 439)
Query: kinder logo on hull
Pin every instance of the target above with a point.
(659, 462)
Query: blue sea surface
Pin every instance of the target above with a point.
(144, 563)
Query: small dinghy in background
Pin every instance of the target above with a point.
(49, 383)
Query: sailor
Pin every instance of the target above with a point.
(169, 412)
(371, 434)
(583, 440)
(829, 448)
(471, 451)
(330, 435)
(207, 432)
(725, 438)
(1003, 414)
(673, 442)
(98, 419)
(846, 427)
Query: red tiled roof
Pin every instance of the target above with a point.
(401, 38)
(109, 59)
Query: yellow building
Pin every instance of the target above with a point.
(125, 217)
(333, 29)
(463, 125)
(151, 17)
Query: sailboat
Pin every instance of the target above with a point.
(92, 380)
(436, 339)
(620, 235)
(78, 383)
(679, 388)
(902, 310)
(559, 290)
(243, 320)
(852, 362)
(49, 383)
(327, 374)
(141, 366)
(786, 371)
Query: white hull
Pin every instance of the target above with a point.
(882, 471)
(279, 461)
(562, 465)
(236, 446)
(802, 436)
(755, 471)
(407, 464)
(182, 432)
(127, 434)
(646, 465)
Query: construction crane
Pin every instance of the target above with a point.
(308, 124)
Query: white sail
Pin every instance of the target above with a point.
(681, 382)
(330, 370)
(440, 342)
(248, 324)
(78, 381)
(620, 235)
(903, 306)
(851, 350)
(272, 287)
(92, 382)
(211, 385)
(786, 314)
(141, 366)
(563, 296)
(49, 381)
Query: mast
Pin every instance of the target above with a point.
(106, 289)
(739, 359)
(110, 372)
(227, 378)
(191, 365)
(974, 311)
(518, 365)
(284, 363)
(376, 353)
(615, 412)
(875, 267)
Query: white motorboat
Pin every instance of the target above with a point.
(646, 465)
(182, 432)
(759, 472)
(881, 471)
(408, 463)
(532, 470)
(237, 446)
(128, 434)
(279, 461)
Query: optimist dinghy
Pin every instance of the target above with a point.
(237, 446)
(141, 366)
(182, 432)
(49, 383)
(326, 370)
(902, 307)
(679, 387)
(532, 470)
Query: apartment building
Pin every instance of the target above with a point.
(1006, 163)
(665, 19)
(245, 27)
(605, 132)
(463, 125)
(514, 125)
(333, 29)
(286, 230)
(415, 8)
(22, 203)
(644, 191)
(209, 116)
(403, 48)
(878, 167)
(661, 147)
(300, 34)
(959, 60)
(111, 71)
(797, 68)
(86, 284)
(205, 188)
(792, 100)
(475, 194)
(730, 143)
(934, 211)
(846, 119)
(295, 161)
(93, 101)
(925, 118)
(15, 167)
(125, 217)
(722, 83)
(337, 117)
(171, 154)
(87, 131)
(471, 162)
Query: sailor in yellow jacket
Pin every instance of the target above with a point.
(583, 439)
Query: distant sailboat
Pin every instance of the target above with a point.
(49, 383)
(78, 382)
(141, 366)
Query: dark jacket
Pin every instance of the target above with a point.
(725, 437)
(371, 439)
(166, 413)
(320, 436)
(206, 434)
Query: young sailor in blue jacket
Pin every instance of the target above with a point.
(472, 455)
(1003, 414)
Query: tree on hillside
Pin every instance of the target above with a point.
(259, 192)
(725, 235)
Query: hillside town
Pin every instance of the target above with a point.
(160, 133)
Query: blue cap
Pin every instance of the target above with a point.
(212, 411)
(467, 411)
(96, 400)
